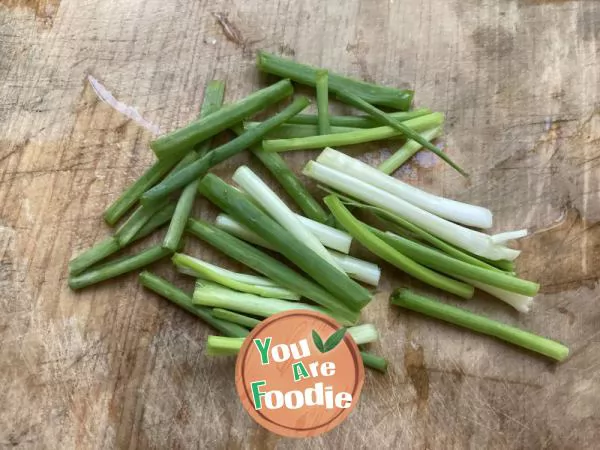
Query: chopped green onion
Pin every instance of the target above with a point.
(292, 131)
(113, 269)
(520, 302)
(93, 254)
(357, 121)
(464, 213)
(215, 296)
(377, 114)
(292, 185)
(471, 240)
(165, 289)
(230, 279)
(501, 238)
(225, 151)
(177, 143)
(264, 196)
(213, 100)
(364, 333)
(374, 362)
(355, 268)
(132, 194)
(446, 264)
(111, 245)
(289, 182)
(354, 137)
(407, 151)
(305, 74)
(380, 248)
(400, 226)
(136, 221)
(222, 346)
(233, 317)
(358, 269)
(271, 268)
(502, 264)
(243, 210)
(240, 277)
(330, 237)
(156, 221)
(464, 318)
(182, 213)
(322, 87)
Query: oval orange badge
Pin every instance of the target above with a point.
(299, 374)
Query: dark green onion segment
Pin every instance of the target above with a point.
(400, 99)
(177, 143)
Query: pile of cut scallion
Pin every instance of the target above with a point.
(302, 261)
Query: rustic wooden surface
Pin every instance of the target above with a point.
(117, 367)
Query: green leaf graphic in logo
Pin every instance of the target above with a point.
(331, 342)
(318, 341)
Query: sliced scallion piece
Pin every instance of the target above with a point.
(271, 268)
(222, 346)
(350, 98)
(167, 290)
(177, 143)
(461, 317)
(322, 87)
(230, 279)
(132, 194)
(302, 73)
(380, 248)
(233, 317)
(357, 269)
(407, 151)
(289, 182)
(436, 260)
(455, 211)
(215, 296)
(136, 221)
(264, 196)
(247, 213)
(92, 255)
(111, 245)
(418, 124)
(293, 131)
(357, 121)
(374, 362)
(213, 100)
(201, 166)
(112, 269)
(474, 241)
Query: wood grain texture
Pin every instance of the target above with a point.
(117, 367)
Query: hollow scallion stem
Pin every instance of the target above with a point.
(322, 87)
(301, 73)
(233, 317)
(379, 115)
(247, 213)
(418, 124)
(213, 100)
(461, 317)
(380, 248)
(271, 268)
(167, 290)
(407, 151)
(177, 143)
(220, 154)
(121, 266)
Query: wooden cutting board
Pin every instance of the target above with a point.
(117, 367)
